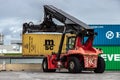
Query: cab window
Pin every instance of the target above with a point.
(71, 43)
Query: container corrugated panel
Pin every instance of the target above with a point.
(107, 34)
(37, 44)
(111, 56)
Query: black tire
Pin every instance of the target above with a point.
(45, 66)
(74, 65)
(100, 65)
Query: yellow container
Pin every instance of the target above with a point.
(41, 44)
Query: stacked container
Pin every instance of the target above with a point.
(108, 39)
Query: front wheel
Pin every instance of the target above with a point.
(100, 65)
(45, 66)
(74, 65)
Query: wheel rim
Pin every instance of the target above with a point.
(44, 65)
(72, 65)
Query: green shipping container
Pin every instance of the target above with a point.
(111, 56)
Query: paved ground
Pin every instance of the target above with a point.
(39, 75)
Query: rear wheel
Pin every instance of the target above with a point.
(100, 65)
(74, 65)
(45, 66)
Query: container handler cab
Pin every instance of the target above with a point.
(80, 54)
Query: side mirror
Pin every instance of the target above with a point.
(95, 33)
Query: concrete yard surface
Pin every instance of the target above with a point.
(39, 75)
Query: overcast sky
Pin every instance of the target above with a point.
(13, 13)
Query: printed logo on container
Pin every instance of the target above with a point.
(109, 35)
(111, 57)
(49, 44)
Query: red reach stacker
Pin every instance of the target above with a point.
(80, 54)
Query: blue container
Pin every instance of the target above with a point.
(107, 34)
